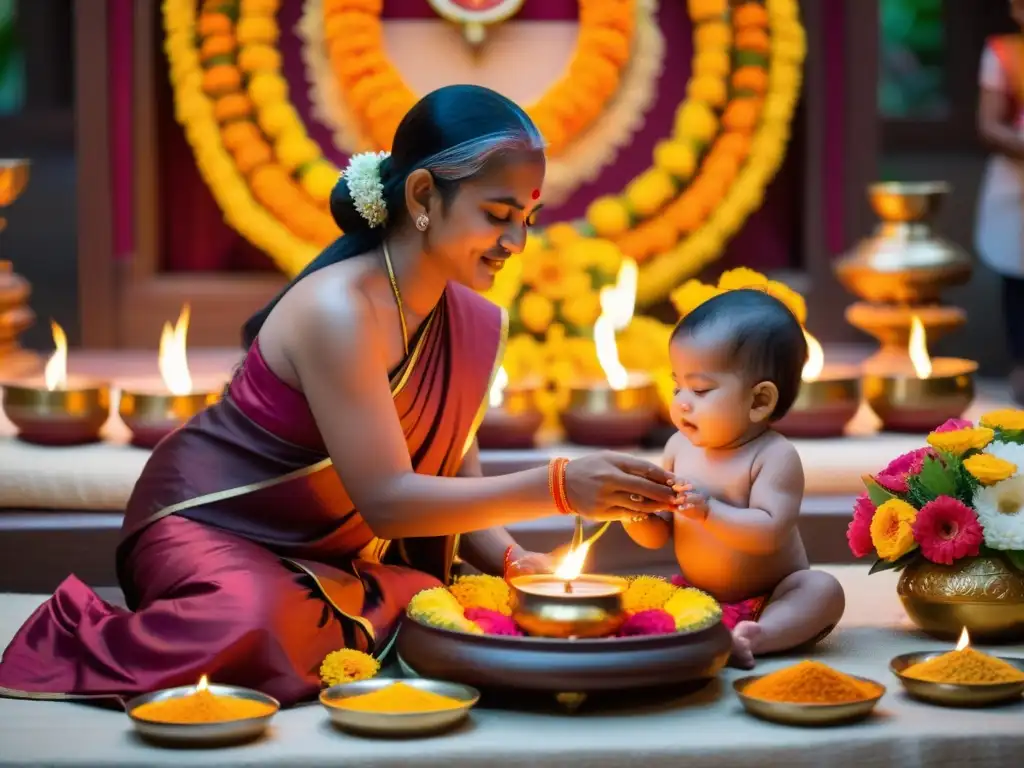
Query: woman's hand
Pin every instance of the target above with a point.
(530, 562)
(612, 486)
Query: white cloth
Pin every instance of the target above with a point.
(999, 233)
(706, 730)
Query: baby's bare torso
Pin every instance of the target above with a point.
(707, 562)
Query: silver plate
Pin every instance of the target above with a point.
(202, 734)
(395, 724)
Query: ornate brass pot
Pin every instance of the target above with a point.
(983, 594)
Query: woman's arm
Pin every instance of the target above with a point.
(336, 354)
(485, 550)
(994, 132)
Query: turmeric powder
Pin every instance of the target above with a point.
(202, 707)
(810, 682)
(398, 699)
(965, 667)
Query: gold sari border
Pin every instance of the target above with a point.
(361, 621)
(410, 362)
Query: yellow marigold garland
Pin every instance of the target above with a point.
(379, 96)
(346, 666)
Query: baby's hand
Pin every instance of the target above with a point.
(694, 506)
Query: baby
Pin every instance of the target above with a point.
(736, 361)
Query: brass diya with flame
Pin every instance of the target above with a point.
(828, 399)
(57, 410)
(625, 407)
(152, 414)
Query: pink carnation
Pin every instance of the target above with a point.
(858, 533)
(894, 476)
(952, 425)
(492, 622)
(947, 529)
(651, 622)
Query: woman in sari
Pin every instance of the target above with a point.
(332, 482)
(1000, 223)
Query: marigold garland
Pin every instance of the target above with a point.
(379, 96)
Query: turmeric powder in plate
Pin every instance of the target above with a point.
(202, 707)
(398, 699)
(965, 667)
(810, 682)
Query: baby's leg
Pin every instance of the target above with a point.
(803, 606)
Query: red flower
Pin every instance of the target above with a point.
(651, 622)
(894, 476)
(858, 533)
(492, 622)
(952, 425)
(947, 529)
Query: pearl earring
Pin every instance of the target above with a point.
(422, 222)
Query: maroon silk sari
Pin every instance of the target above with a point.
(242, 556)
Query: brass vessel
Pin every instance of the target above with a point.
(15, 315)
(151, 416)
(904, 261)
(984, 594)
(600, 416)
(514, 423)
(584, 614)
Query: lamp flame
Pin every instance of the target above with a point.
(617, 305)
(173, 359)
(572, 564)
(56, 372)
(918, 349)
(203, 684)
(496, 396)
(815, 359)
(965, 640)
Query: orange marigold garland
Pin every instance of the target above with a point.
(376, 92)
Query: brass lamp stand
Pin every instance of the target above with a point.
(15, 315)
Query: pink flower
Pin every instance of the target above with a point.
(952, 425)
(947, 529)
(894, 476)
(651, 622)
(492, 622)
(858, 533)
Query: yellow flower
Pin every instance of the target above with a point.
(741, 277)
(536, 311)
(524, 357)
(709, 88)
(645, 593)
(692, 609)
(583, 309)
(266, 88)
(793, 300)
(562, 235)
(960, 441)
(696, 121)
(691, 295)
(989, 469)
(481, 591)
(713, 36)
(347, 666)
(506, 283)
(649, 191)
(603, 255)
(675, 157)
(256, 30)
(713, 62)
(701, 10)
(319, 179)
(892, 529)
(278, 118)
(294, 151)
(1006, 419)
(608, 216)
(439, 608)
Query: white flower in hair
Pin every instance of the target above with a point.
(363, 179)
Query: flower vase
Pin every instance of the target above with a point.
(983, 594)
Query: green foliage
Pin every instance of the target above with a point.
(1016, 558)
(877, 493)
(945, 476)
(896, 565)
(1010, 436)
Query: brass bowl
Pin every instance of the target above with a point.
(822, 408)
(151, 416)
(985, 595)
(512, 425)
(568, 615)
(202, 734)
(600, 416)
(907, 201)
(70, 416)
(955, 694)
(550, 665)
(398, 724)
(787, 713)
(905, 403)
(13, 180)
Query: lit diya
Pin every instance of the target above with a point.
(568, 603)
(929, 393)
(202, 714)
(512, 417)
(58, 410)
(963, 677)
(828, 399)
(624, 407)
(152, 415)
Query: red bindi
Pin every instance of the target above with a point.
(535, 194)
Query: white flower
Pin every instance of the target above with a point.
(363, 179)
(1011, 452)
(1000, 509)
